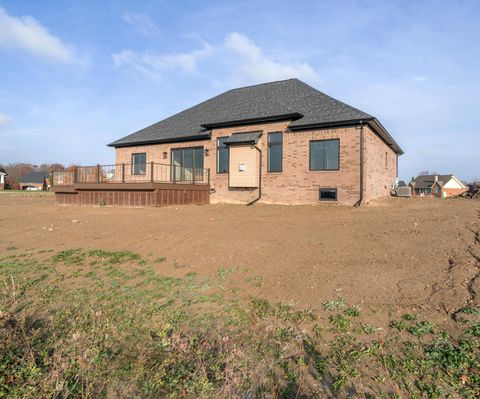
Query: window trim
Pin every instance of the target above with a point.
(268, 152)
(327, 199)
(133, 164)
(310, 156)
(217, 156)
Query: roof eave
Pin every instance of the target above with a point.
(373, 122)
(273, 118)
(160, 141)
(378, 127)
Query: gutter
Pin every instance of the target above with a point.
(259, 178)
(360, 199)
(203, 136)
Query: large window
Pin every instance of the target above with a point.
(223, 155)
(187, 164)
(274, 155)
(325, 154)
(139, 163)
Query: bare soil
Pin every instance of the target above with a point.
(391, 257)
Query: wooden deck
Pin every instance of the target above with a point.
(132, 194)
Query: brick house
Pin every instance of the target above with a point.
(441, 186)
(34, 180)
(281, 142)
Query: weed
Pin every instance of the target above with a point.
(421, 328)
(224, 272)
(353, 311)
(340, 322)
(334, 305)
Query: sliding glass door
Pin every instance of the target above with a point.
(187, 164)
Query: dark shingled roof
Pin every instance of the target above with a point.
(248, 137)
(289, 99)
(2, 170)
(427, 181)
(34, 177)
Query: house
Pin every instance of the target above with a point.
(3, 175)
(441, 186)
(280, 142)
(34, 180)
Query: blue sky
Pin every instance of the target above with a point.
(75, 76)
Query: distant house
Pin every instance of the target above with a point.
(3, 175)
(441, 186)
(34, 181)
(401, 183)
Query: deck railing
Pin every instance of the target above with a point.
(131, 173)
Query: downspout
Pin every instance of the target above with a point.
(259, 177)
(360, 199)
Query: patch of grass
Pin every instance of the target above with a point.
(114, 330)
(334, 304)
(340, 322)
(224, 272)
(353, 311)
(421, 328)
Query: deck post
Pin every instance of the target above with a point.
(151, 171)
(98, 173)
(208, 175)
(123, 173)
(193, 175)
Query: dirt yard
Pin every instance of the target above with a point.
(393, 256)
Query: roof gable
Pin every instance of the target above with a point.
(289, 99)
(427, 181)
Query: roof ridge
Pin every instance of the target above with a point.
(262, 84)
(334, 99)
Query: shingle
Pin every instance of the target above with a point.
(249, 137)
(303, 104)
(427, 181)
(34, 177)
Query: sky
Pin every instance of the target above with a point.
(77, 75)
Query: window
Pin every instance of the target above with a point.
(325, 154)
(328, 194)
(274, 155)
(139, 163)
(187, 164)
(223, 155)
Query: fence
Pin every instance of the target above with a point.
(131, 173)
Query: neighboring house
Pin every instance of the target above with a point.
(441, 186)
(34, 181)
(401, 183)
(3, 175)
(279, 142)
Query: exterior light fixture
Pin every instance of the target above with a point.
(165, 154)
(206, 152)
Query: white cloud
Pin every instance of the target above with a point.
(253, 65)
(4, 120)
(155, 66)
(28, 34)
(245, 61)
(142, 23)
(419, 79)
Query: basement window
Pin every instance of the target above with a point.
(328, 194)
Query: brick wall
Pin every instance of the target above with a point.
(380, 166)
(296, 184)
